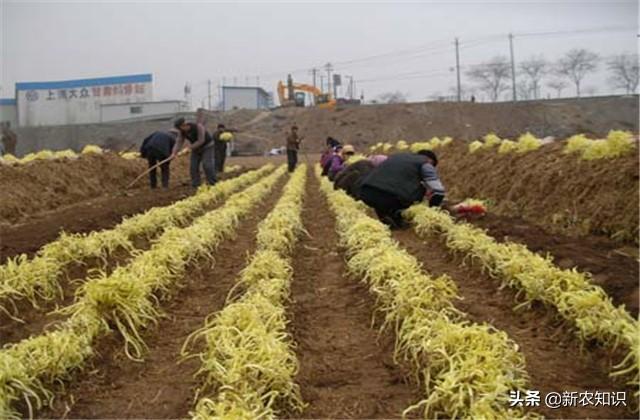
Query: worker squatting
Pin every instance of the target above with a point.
(387, 184)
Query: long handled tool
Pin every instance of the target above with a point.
(131, 146)
(148, 170)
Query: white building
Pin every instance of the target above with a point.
(244, 97)
(8, 111)
(135, 110)
(77, 101)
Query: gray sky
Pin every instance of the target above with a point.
(196, 41)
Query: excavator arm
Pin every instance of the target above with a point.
(321, 100)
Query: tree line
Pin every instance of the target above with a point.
(493, 77)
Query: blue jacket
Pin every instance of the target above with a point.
(159, 144)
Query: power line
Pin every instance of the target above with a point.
(434, 48)
(430, 49)
(578, 31)
(411, 76)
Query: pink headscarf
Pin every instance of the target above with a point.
(377, 159)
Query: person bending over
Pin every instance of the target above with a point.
(400, 181)
(201, 145)
(156, 148)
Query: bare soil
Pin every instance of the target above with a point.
(88, 215)
(346, 367)
(559, 192)
(22, 319)
(161, 386)
(614, 267)
(556, 361)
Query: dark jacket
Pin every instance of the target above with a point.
(352, 176)
(401, 175)
(159, 143)
(216, 136)
(192, 135)
(293, 141)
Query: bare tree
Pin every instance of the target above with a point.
(534, 69)
(492, 77)
(576, 64)
(525, 91)
(557, 85)
(393, 97)
(624, 72)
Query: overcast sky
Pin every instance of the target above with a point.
(405, 47)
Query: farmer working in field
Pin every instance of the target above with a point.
(293, 145)
(221, 137)
(157, 148)
(330, 144)
(350, 179)
(200, 143)
(400, 181)
(339, 161)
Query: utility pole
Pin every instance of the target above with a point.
(458, 69)
(350, 88)
(209, 93)
(187, 94)
(513, 69)
(314, 72)
(222, 98)
(328, 67)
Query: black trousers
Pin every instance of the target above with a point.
(153, 157)
(292, 159)
(220, 155)
(386, 205)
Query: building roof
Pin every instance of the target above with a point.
(135, 78)
(7, 101)
(258, 88)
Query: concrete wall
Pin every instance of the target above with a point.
(119, 112)
(115, 135)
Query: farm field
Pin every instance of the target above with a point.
(274, 295)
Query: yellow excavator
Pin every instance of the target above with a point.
(294, 94)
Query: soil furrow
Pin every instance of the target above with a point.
(103, 212)
(346, 368)
(34, 320)
(160, 387)
(555, 359)
(614, 266)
